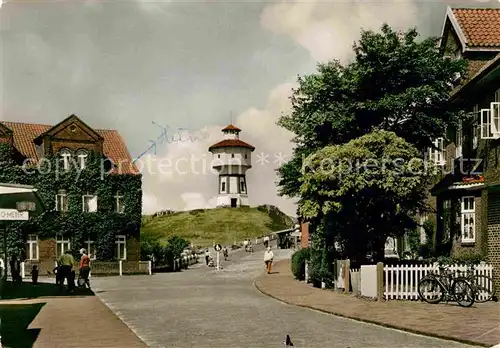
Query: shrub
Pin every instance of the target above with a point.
(299, 259)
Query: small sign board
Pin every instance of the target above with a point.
(26, 206)
(218, 247)
(13, 215)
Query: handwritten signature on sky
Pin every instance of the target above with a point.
(169, 135)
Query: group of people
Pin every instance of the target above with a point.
(64, 270)
(208, 258)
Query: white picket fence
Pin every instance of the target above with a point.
(401, 281)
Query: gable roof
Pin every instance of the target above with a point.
(478, 29)
(114, 147)
(61, 125)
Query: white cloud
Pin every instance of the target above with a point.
(327, 31)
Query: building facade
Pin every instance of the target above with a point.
(231, 159)
(89, 185)
(467, 192)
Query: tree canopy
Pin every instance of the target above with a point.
(395, 82)
(370, 187)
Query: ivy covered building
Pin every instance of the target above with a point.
(90, 187)
(467, 194)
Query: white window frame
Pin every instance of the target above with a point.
(495, 118)
(437, 156)
(89, 245)
(459, 140)
(65, 155)
(33, 247)
(90, 197)
(476, 132)
(468, 233)
(486, 128)
(62, 245)
(119, 204)
(82, 158)
(243, 185)
(121, 240)
(61, 201)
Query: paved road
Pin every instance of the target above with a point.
(200, 307)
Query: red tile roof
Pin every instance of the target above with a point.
(481, 26)
(231, 127)
(113, 146)
(231, 143)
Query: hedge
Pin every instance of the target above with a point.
(299, 259)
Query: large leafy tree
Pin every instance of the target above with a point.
(365, 190)
(395, 82)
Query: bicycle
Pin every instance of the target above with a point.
(446, 286)
(484, 288)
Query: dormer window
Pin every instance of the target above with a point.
(82, 156)
(65, 158)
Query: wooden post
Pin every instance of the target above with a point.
(380, 281)
(347, 274)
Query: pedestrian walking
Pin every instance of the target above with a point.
(207, 256)
(268, 259)
(225, 253)
(288, 341)
(84, 269)
(65, 268)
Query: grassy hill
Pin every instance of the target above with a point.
(203, 227)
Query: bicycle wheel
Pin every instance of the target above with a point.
(463, 292)
(484, 287)
(430, 290)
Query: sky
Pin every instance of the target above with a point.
(140, 67)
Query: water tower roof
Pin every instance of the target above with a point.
(231, 143)
(231, 128)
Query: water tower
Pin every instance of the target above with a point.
(231, 159)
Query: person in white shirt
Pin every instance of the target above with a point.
(268, 259)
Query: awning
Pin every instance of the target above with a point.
(289, 230)
(11, 194)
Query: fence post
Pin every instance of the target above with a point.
(23, 270)
(150, 268)
(120, 267)
(347, 274)
(380, 281)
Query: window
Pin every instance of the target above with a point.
(32, 250)
(82, 158)
(90, 246)
(476, 127)
(121, 247)
(436, 154)
(61, 201)
(232, 155)
(459, 140)
(246, 156)
(243, 188)
(89, 203)
(62, 245)
(468, 226)
(490, 119)
(65, 158)
(119, 205)
(218, 156)
(223, 187)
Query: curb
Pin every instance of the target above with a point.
(378, 323)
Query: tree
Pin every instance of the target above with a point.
(365, 191)
(394, 82)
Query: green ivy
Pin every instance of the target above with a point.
(101, 226)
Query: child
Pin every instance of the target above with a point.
(34, 275)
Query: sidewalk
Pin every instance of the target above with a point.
(65, 322)
(478, 325)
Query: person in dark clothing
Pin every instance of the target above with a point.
(15, 269)
(34, 275)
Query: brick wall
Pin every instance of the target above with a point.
(304, 240)
(494, 236)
